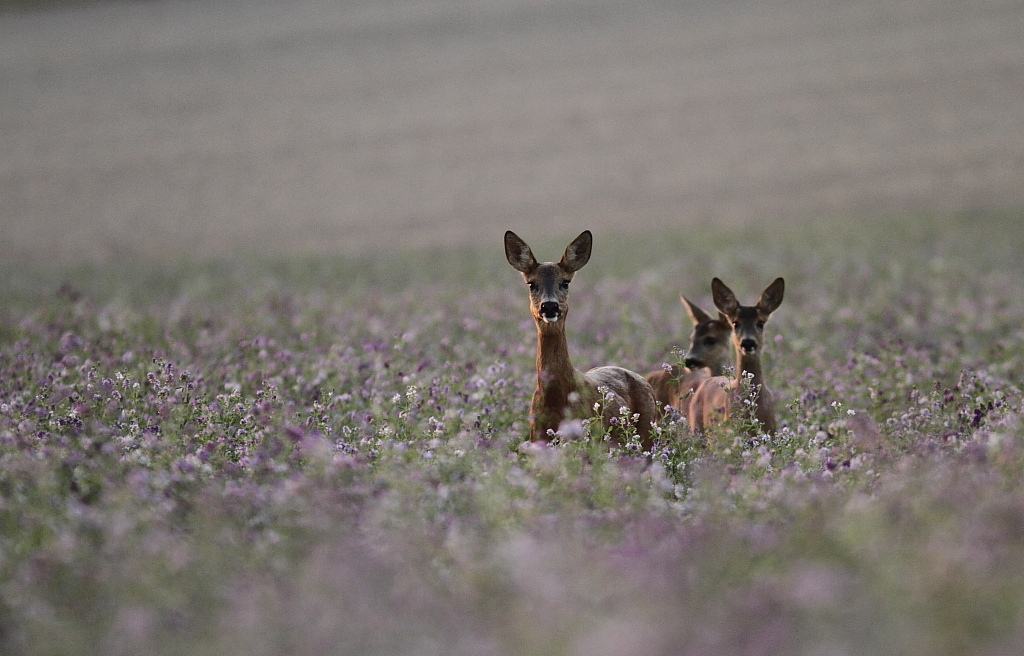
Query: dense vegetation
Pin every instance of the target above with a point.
(327, 457)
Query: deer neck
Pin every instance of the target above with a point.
(749, 366)
(716, 370)
(554, 369)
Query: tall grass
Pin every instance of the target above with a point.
(319, 457)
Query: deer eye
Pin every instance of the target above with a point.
(532, 285)
(564, 284)
(760, 325)
(709, 341)
(736, 325)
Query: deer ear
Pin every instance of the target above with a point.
(577, 253)
(518, 253)
(724, 299)
(771, 297)
(697, 315)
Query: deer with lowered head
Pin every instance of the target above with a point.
(563, 392)
(715, 398)
(709, 353)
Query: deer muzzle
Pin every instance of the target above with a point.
(549, 311)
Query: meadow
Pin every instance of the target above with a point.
(327, 456)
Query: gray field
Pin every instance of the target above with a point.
(169, 129)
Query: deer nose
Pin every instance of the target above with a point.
(549, 310)
(693, 363)
(748, 345)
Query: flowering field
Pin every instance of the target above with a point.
(327, 457)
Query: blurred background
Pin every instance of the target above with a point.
(174, 130)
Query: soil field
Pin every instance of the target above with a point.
(169, 129)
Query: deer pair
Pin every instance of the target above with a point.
(699, 389)
(562, 392)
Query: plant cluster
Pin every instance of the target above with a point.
(308, 469)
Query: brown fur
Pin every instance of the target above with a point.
(710, 351)
(562, 392)
(714, 398)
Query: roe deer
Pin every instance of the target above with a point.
(713, 397)
(563, 392)
(709, 354)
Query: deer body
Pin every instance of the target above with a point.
(709, 353)
(715, 397)
(563, 392)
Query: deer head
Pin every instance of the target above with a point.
(747, 320)
(548, 281)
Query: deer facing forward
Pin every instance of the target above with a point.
(713, 399)
(563, 392)
(709, 353)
